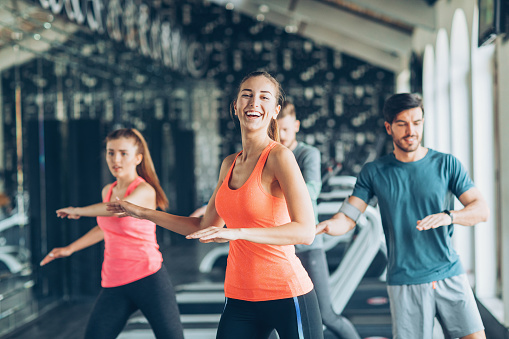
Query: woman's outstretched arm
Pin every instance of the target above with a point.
(90, 238)
(143, 195)
(178, 224)
(175, 223)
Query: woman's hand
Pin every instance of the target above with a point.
(124, 209)
(58, 252)
(68, 212)
(215, 234)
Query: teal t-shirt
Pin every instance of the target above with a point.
(408, 192)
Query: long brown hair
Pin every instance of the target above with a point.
(273, 129)
(145, 168)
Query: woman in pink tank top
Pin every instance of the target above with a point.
(262, 198)
(132, 275)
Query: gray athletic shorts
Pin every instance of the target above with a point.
(414, 307)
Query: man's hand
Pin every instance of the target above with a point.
(339, 224)
(323, 227)
(433, 221)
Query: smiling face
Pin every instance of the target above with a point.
(256, 103)
(406, 130)
(122, 157)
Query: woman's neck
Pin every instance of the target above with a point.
(254, 143)
(124, 181)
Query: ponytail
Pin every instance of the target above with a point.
(273, 130)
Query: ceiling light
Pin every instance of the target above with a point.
(263, 8)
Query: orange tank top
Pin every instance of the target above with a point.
(258, 272)
(131, 251)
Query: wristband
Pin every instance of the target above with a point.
(350, 210)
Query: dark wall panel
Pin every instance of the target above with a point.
(44, 181)
(84, 145)
(66, 174)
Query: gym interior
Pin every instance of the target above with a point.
(73, 71)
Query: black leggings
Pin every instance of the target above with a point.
(153, 295)
(315, 263)
(292, 318)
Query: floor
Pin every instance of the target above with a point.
(201, 297)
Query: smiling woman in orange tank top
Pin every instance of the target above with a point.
(262, 198)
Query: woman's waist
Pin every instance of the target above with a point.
(120, 237)
(265, 283)
(126, 224)
(262, 257)
(117, 272)
(131, 250)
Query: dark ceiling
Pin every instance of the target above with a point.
(379, 32)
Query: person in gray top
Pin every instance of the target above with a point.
(313, 256)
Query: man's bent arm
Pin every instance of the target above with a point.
(475, 209)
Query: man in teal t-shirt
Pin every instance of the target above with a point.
(415, 187)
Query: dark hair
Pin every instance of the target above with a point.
(273, 130)
(400, 102)
(145, 168)
(288, 109)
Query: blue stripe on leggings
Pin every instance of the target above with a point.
(299, 319)
(225, 302)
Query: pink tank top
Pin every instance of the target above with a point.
(131, 251)
(258, 272)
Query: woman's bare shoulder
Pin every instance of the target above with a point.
(105, 190)
(228, 161)
(280, 154)
(145, 187)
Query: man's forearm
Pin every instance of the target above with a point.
(472, 214)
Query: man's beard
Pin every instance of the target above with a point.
(408, 149)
